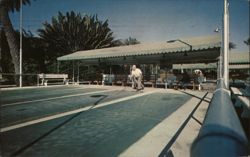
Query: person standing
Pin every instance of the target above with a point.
(136, 76)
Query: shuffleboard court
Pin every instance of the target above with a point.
(109, 123)
(22, 95)
(35, 109)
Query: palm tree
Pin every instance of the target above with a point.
(73, 32)
(247, 42)
(124, 42)
(232, 45)
(131, 41)
(5, 7)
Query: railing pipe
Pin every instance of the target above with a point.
(221, 133)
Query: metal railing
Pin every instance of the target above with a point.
(221, 133)
(11, 79)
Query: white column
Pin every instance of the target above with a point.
(226, 43)
(78, 72)
(21, 51)
(73, 78)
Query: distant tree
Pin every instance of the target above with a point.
(33, 58)
(232, 45)
(5, 7)
(123, 42)
(5, 63)
(131, 41)
(35, 53)
(247, 42)
(73, 32)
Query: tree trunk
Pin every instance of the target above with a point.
(11, 38)
(1, 70)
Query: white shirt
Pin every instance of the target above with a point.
(136, 73)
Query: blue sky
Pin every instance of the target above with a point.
(148, 20)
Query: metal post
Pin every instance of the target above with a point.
(58, 67)
(73, 73)
(21, 53)
(110, 70)
(226, 44)
(77, 71)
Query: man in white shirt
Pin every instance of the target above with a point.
(136, 76)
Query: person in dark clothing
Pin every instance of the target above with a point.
(185, 80)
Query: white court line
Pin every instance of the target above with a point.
(5, 129)
(157, 138)
(59, 97)
(32, 87)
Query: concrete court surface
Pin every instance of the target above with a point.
(100, 121)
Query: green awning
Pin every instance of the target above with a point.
(239, 57)
(237, 60)
(195, 66)
(151, 49)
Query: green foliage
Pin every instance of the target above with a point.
(247, 42)
(73, 32)
(129, 41)
(5, 62)
(33, 53)
(232, 45)
(13, 5)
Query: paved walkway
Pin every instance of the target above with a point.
(97, 121)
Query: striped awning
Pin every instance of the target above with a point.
(195, 66)
(152, 49)
(239, 57)
(237, 60)
(239, 66)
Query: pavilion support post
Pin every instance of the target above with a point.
(78, 72)
(58, 67)
(73, 72)
(110, 70)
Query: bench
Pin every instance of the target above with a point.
(245, 102)
(240, 97)
(52, 79)
(236, 91)
(149, 80)
(160, 83)
(107, 79)
(120, 80)
(83, 82)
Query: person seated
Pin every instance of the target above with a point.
(200, 77)
(171, 79)
(185, 80)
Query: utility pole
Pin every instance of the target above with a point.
(21, 38)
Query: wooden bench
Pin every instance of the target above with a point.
(160, 83)
(149, 80)
(52, 79)
(84, 82)
(236, 91)
(107, 79)
(120, 80)
(245, 103)
(241, 99)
